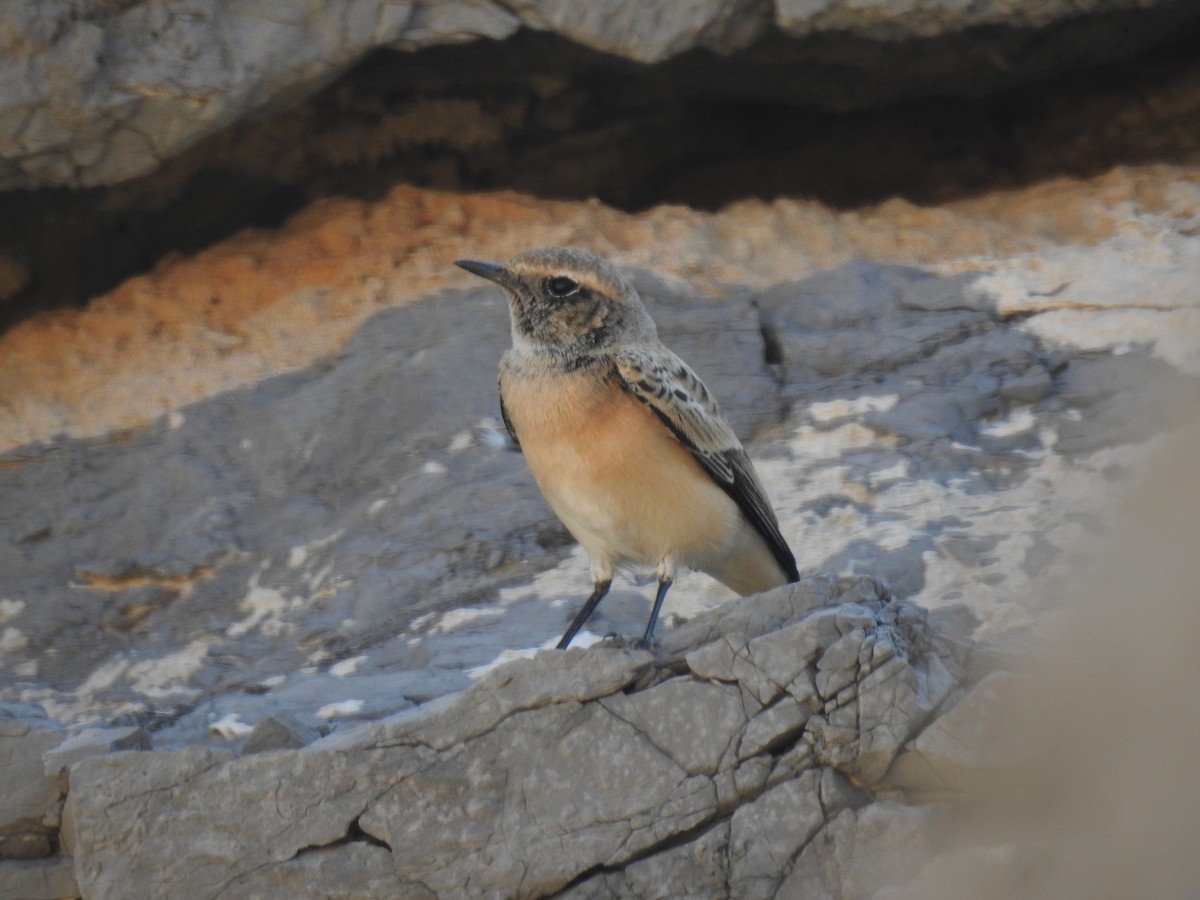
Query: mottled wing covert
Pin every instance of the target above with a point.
(679, 398)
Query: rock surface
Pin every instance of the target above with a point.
(95, 93)
(331, 544)
(264, 551)
(353, 540)
(713, 754)
(31, 802)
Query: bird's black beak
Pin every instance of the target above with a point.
(490, 271)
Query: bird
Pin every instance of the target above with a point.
(626, 443)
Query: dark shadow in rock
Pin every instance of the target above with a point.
(848, 121)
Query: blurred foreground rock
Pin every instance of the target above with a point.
(748, 751)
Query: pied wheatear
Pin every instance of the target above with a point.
(626, 443)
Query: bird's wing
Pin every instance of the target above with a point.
(677, 396)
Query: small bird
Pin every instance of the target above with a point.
(626, 443)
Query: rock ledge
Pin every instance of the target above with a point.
(601, 771)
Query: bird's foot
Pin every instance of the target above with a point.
(620, 642)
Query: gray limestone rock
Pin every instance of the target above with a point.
(770, 831)
(861, 852)
(648, 32)
(345, 551)
(31, 800)
(332, 545)
(52, 878)
(326, 519)
(99, 92)
(233, 815)
(600, 768)
(695, 870)
(955, 751)
(93, 742)
(96, 93)
(282, 732)
(358, 870)
(880, 20)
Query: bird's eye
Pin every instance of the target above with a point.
(561, 286)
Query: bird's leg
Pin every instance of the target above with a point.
(599, 589)
(664, 583)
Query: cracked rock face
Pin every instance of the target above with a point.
(98, 92)
(697, 768)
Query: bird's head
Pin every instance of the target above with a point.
(567, 302)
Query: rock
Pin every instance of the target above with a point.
(698, 869)
(546, 770)
(862, 852)
(289, 550)
(648, 34)
(347, 541)
(352, 480)
(280, 732)
(879, 19)
(93, 742)
(95, 96)
(31, 802)
(38, 879)
(772, 828)
(107, 92)
(955, 753)
(359, 869)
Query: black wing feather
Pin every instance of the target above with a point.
(677, 397)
